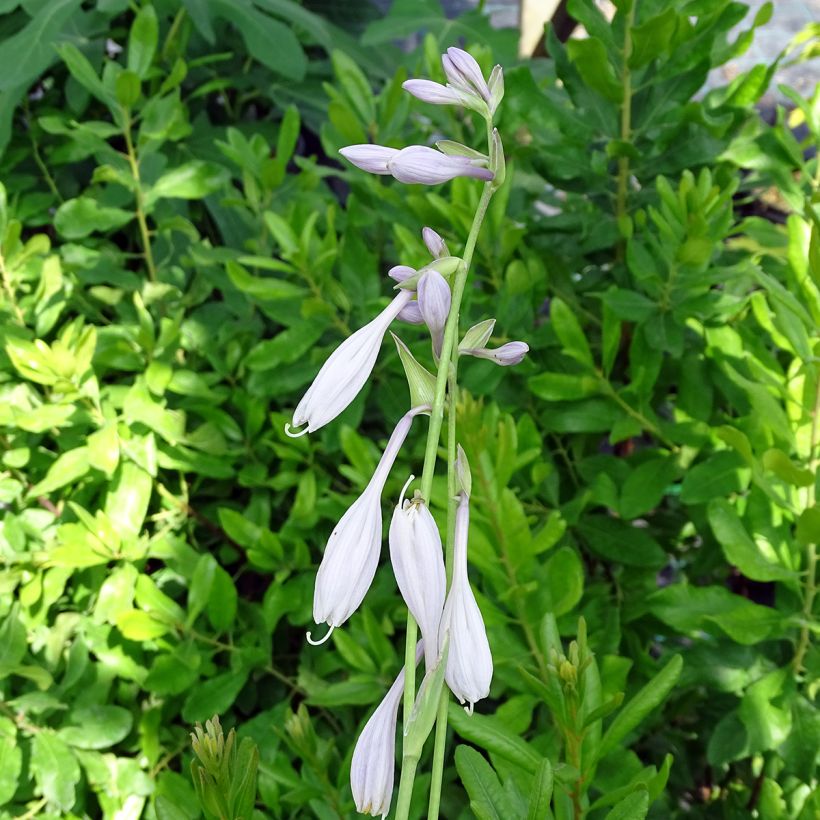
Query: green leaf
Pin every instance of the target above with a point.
(633, 807)
(785, 469)
(808, 526)
(12, 641)
(645, 486)
(651, 39)
(541, 793)
(720, 475)
(629, 305)
(259, 31)
(590, 58)
(137, 625)
(488, 800)
(83, 72)
(128, 89)
(739, 547)
(618, 541)
(564, 581)
(569, 332)
(192, 180)
(55, 769)
(11, 764)
(97, 727)
(639, 707)
(265, 289)
(78, 218)
(30, 50)
(563, 386)
(67, 468)
(213, 697)
(142, 41)
(492, 734)
(128, 498)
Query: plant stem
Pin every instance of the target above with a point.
(141, 220)
(626, 122)
(441, 717)
(449, 348)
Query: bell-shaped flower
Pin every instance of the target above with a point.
(434, 298)
(435, 244)
(506, 355)
(345, 372)
(415, 164)
(469, 669)
(352, 552)
(372, 768)
(418, 564)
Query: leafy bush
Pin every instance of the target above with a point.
(179, 251)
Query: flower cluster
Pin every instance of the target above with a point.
(451, 625)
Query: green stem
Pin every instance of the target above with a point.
(140, 205)
(448, 350)
(626, 121)
(441, 716)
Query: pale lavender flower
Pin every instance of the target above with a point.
(345, 372)
(469, 668)
(372, 768)
(371, 158)
(463, 72)
(434, 300)
(352, 551)
(435, 244)
(506, 355)
(416, 164)
(418, 564)
(401, 272)
(411, 313)
(432, 92)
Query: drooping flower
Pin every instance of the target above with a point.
(372, 768)
(414, 164)
(506, 355)
(345, 372)
(352, 552)
(434, 299)
(418, 564)
(469, 669)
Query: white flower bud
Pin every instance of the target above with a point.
(506, 355)
(434, 298)
(464, 72)
(425, 166)
(418, 564)
(371, 158)
(469, 669)
(430, 92)
(345, 372)
(372, 768)
(352, 552)
(401, 272)
(435, 244)
(414, 164)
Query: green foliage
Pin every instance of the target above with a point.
(179, 252)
